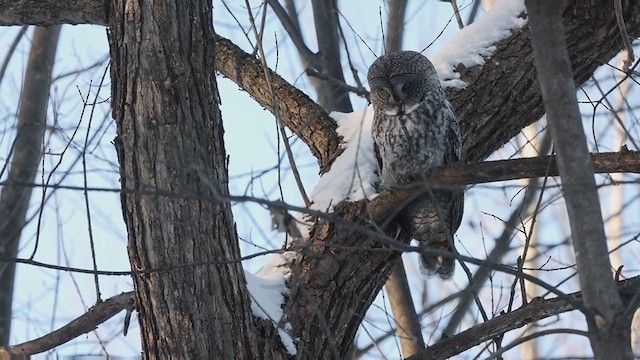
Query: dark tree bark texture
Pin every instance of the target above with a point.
(486, 106)
(170, 138)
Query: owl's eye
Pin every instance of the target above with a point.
(408, 87)
(383, 93)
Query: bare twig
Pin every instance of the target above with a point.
(456, 12)
(361, 91)
(285, 139)
(12, 48)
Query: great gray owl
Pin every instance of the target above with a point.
(414, 132)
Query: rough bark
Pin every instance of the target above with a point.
(503, 95)
(45, 13)
(14, 200)
(297, 111)
(609, 328)
(170, 138)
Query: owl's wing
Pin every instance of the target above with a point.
(376, 153)
(454, 152)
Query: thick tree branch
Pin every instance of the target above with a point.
(395, 25)
(296, 110)
(325, 15)
(52, 12)
(14, 201)
(503, 95)
(85, 323)
(609, 330)
(536, 310)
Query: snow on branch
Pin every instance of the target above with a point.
(476, 42)
(268, 290)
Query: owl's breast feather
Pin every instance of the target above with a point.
(409, 146)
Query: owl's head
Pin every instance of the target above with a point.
(400, 82)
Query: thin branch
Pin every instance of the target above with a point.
(456, 12)
(502, 170)
(395, 25)
(83, 324)
(617, 5)
(12, 48)
(536, 310)
(361, 91)
(293, 29)
(285, 139)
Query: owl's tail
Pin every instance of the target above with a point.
(433, 220)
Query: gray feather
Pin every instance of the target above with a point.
(414, 132)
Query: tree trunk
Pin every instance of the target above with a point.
(609, 329)
(14, 200)
(173, 170)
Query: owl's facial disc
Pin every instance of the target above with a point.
(396, 94)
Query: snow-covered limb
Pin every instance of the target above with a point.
(353, 174)
(268, 289)
(476, 42)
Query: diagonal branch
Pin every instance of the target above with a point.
(292, 28)
(503, 95)
(83, 324)
(296, 110)
(537, 309)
